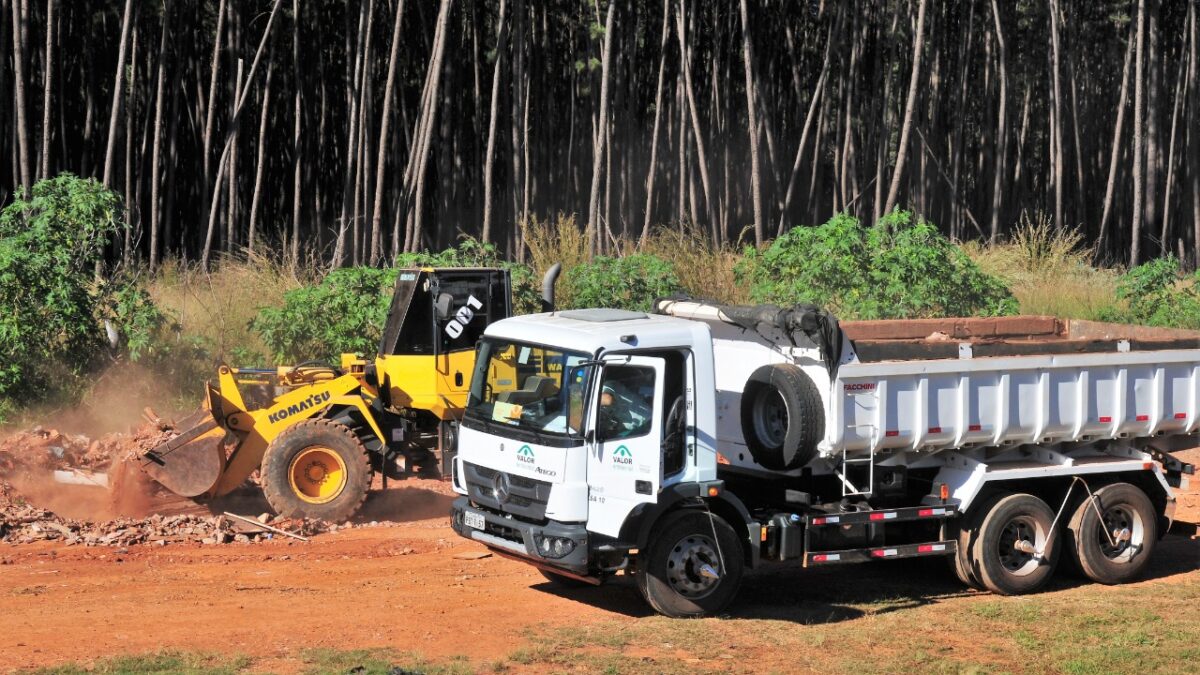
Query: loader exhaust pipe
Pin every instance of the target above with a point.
(548, 287)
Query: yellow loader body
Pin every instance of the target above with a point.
(405, 399)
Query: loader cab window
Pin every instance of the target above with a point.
(464, 306)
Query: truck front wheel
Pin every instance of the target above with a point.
(1015, 552)
(1113, 534)
(692, 567)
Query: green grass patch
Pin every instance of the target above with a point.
(170, 661)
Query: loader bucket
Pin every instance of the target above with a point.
(189, 464)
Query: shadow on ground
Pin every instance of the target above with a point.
(788, 592)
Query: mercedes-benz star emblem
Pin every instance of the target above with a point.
(500, 487)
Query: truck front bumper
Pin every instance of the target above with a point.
(521, 538)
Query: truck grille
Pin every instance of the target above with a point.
(526, 497)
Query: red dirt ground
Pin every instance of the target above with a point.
(396, 585)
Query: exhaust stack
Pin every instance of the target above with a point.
(548, 287)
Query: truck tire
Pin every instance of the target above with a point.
(1001, 565)
(669, 573)
(1127, 514)
(783, 418)
(316, 469)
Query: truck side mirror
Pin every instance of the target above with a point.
(442, 306)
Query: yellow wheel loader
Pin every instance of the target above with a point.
(317, 433)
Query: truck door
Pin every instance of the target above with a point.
(625, 440)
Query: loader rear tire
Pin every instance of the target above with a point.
(316, 469)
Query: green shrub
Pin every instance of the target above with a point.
(1158, 293)
(343, 313)
(51, 306)
(632, 282)
(900, 268)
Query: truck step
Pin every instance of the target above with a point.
(854, 555)
(883, 516)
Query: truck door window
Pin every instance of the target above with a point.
(626, 402)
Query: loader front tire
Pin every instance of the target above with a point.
(316, 469)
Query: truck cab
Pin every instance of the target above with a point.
(565, 454)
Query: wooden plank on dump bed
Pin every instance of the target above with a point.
(957, 328)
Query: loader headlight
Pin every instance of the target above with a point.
(554, 547)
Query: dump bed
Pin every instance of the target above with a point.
(927, 385)
(937, 384)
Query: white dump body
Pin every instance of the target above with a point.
(1037, 399)
(930, 405)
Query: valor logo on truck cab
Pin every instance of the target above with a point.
(525, 455)
(622, 457)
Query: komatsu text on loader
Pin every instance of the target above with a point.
(317, 433)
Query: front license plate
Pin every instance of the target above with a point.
(473, 520)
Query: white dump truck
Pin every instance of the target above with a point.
(685, 446)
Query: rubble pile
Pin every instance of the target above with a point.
(23, 523)
(44, 449)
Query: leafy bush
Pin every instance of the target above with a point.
(52, 307)
(343, 313)
(632, 282)
(1158, 293)
(897, 269)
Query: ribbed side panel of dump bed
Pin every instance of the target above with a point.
(940, 404)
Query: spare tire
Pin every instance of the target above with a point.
(783, 419)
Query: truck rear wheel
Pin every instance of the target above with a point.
(1113, 545)
(693, 567)
(1015, 552)
(316, 469)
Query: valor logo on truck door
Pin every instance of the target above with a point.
(622, 458)
(525, 455)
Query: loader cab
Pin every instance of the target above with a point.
(438, 315)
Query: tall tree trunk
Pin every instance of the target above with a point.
(47, 88)
(231, 173)
(752, 127)
(1115, 151)
(813, 104)
(1056, 150)
(489, 157)
(385, 122)
(118, 91)
(25, 170)
(210, 108)
(593, 222)
(1139, 155)
(906, 127)
(260, 160)
(1001, 129)
(131, 109)
(354, 96)
(697, 133)
(156, 143)
(240, 98)
(433, 78)
(1194, 128)
(658, 103)
(1180, 93)
(297, 141)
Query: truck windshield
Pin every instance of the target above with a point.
(529, 387)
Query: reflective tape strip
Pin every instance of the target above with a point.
(930, 548)
(931, 512)
(826, 557)
(884, 516)
(883, 552)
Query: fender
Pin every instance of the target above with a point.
(641, 520)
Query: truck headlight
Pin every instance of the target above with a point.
(554, 547)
